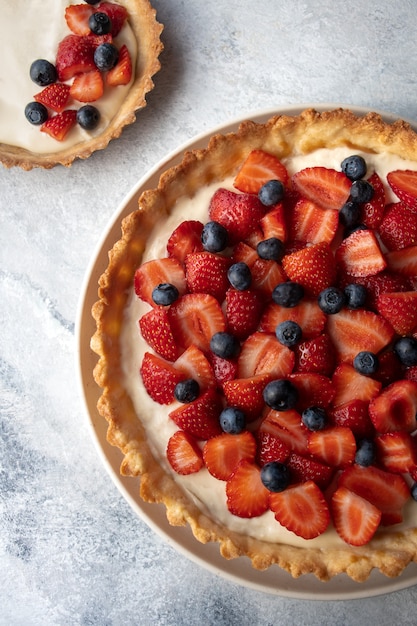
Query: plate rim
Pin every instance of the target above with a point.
(180, 538)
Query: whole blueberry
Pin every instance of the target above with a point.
(240, 276)
(355, 296)
(92, 1)
(314, 418)
(361, 191)
(354, 167)
(406, 350)
(165, 294)
(214, 237)
(349, 214)
(275, 476)
(225, 345)
(271, 249)
(232, 420)
(366, 363)
(288, 294)
(106, 56)
(271, 192)
(288, 333)
(88, 117)
(413, 491)
(36, 113)
(331, 300)
(280, 395)
(100, 23)
(365, 452)
(187, 390)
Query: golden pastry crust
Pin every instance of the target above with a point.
(283, 136)
(142, 18)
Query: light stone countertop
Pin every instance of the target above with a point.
(72, 551)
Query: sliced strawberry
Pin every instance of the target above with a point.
(155, 272)
(360, 254)
(398, 228)
(301, 509)
(206, 272)
(54, 96)
(60, 124)
(243, 311)
(335, 445)
(156, 331)
(246, 394)
(304, 468)
(117, 14)
(258, 168)
(313, 267)
(353, 414)
(75, 55)
(355, 519)
(353, 331)
(200, 418)
(270, 447)
(159, 378)
(315, 355)
(262, 353)
(195, 318)
(395, 407)
(87, 87)
(184, 454)
(388, 492)
(77, 16)
(396, 452)
(404, 261)
(246, 495)
(223, 453)
(312, 224)
(224, 369)
(404, 185)
(186, 238)
(372, 212)
(400, 310)
(307, 314)
(194, 364)
(313, 389)
(286, 425)
(351, 386)
(239, 213)
(274, 224)
(327, 187)
(121, 73)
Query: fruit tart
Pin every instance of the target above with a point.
(257, 343)
(77, 78)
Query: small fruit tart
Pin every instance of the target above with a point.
(81, 72)
(257, 343)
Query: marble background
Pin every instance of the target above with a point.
(72, 551)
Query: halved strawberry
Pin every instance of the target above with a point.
(315, 355)
(60, 124)
(243, 311)
(158, 271)
(400, 310)
(270, 446)
(301, 509)
(183, 453)
(194, 364)
(159, 378)
(121, 73)
(274, 224)
(258, 168)
(396, 452)
(156, 331)
(77, 16)
(195, 318)
(117, 14)
(395, 407)
(246, 495)
(310, 223)
(223, 453)
(239, 213)
(404, 261)
(262, 353)
(327, 187)
(404, 185)
(398, 229)
(351, 386)
(353, 414)
(313, 389)
(360, 254)
(246, 394)
(186, 238)
(355, 519)
(335, 445)
(313, 267)
(206, 272)
(87, 87)
(371, 213)
(223, 369)
(54, 96)
(303, 468)
(75, 55)
(307, 314)
(286, 425)
(200, 418)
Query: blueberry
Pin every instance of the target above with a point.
(106, 56)
(288, 333)
(275, 476)
(280, 395)
(88, 117)
(314, 418)
(413, 491)
(361, 191)
(365, 452)
(271, 192)
(355, 296)
(43, 73)
(225, 345)
(406, 350)
(214, 237)
(36, 113)
(271, 249)
(349, 214)
(331, 300)
(288, 294)
(232, 420)
(100, 23)
(92, 1)
(366, 363)
(187, 390)
(354, 167)
(239, 276)
(165, 294)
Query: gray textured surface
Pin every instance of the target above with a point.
(71, 549)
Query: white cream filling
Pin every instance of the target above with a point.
(32, 30)
(206, 491)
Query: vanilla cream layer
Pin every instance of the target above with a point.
(32, 30)
(207, 492)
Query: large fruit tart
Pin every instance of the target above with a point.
(257, 335)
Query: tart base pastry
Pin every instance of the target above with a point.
(390, 550)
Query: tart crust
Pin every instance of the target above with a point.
(283, 136)
(142, 18)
